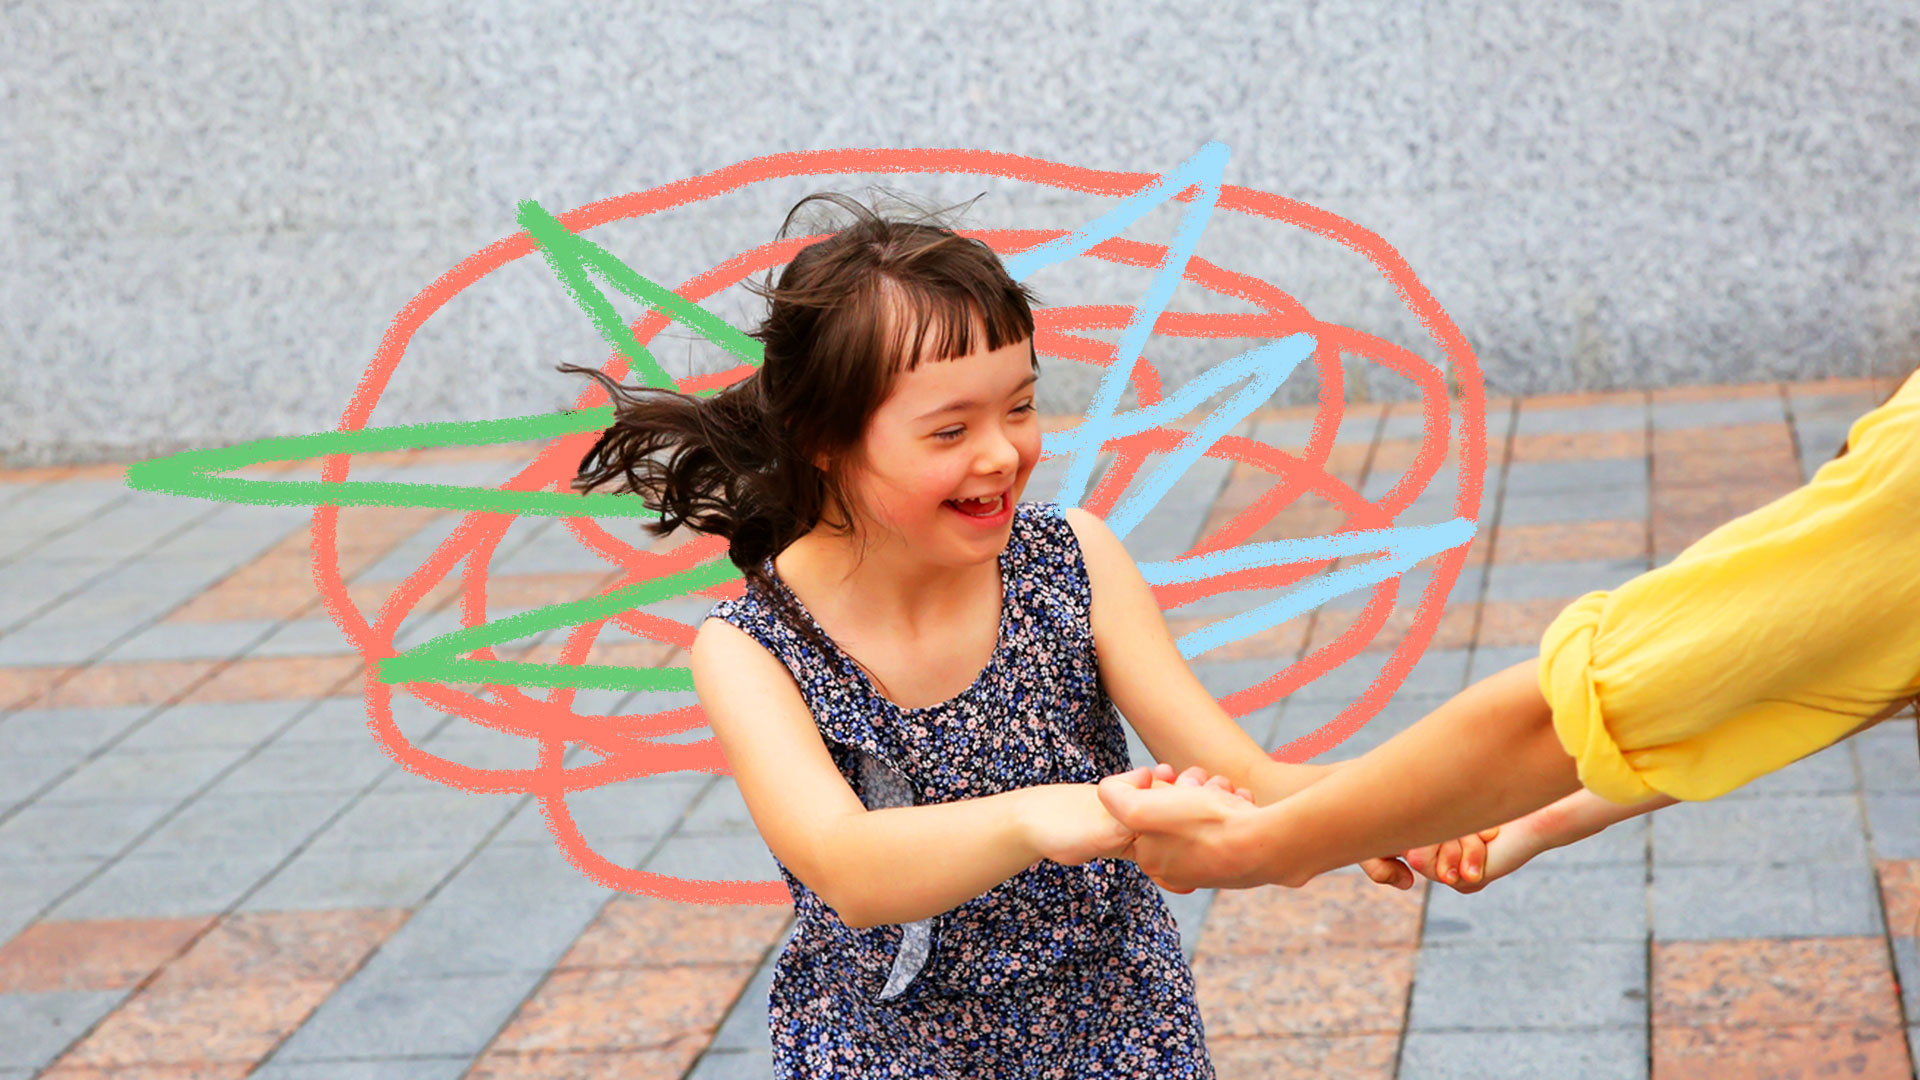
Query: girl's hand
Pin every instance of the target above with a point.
(1388, 870)
(1067, 824)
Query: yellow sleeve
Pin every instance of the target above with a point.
(1769, 638)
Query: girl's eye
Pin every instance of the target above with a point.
(950, 434)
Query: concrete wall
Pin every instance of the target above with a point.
(210, 211)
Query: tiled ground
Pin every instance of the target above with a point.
(209, 869)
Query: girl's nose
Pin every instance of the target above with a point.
(997, 454)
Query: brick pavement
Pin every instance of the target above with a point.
(208, 869)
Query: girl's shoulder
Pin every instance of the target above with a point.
(814, 665)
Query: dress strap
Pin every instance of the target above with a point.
(1050, 570)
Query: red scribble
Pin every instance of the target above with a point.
(628, 746)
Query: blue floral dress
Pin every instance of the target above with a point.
(1060, 972)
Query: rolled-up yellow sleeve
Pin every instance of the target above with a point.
(1769, 638)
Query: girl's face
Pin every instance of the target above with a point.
(947, 455)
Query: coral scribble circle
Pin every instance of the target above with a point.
(639, 745)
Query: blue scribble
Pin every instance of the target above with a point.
(1267, 366)
(1203, 169)
(1399, 548)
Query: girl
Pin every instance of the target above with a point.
(916, 692)
(1775, 635)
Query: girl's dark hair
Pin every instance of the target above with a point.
(765, 460)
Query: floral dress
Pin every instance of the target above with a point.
(1058, 972)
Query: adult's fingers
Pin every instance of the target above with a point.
(1164, 810)
(1123, 800)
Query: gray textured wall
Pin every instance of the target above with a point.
(209, 211)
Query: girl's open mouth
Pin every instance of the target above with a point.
(990, 510)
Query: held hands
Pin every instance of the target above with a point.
(1162, 775)
(1183, 825)
(1470, 862)
(1460, 863)
(1386, 870)
(1068, 824)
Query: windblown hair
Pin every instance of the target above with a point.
(767, 459)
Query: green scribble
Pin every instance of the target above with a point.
(191, 472)
(439, 659)
(575, 260)
(571, 256)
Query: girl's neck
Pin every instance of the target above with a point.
(885, 586)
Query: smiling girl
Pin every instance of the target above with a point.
(917, 691)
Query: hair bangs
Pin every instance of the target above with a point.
(925, 322)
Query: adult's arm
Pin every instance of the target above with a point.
(1487, 756)
(1759, 644)
(1572, 819)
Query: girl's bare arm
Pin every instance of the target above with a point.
(1475, 861)
(1143, 671)
(1180, 722)
(873, 867)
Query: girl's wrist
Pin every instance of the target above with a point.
(1033, 810)
(1529, 840)
(1253, 849)
(1560, 823)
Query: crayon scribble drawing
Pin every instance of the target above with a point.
(634, 746)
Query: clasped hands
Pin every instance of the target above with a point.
(1193, 830)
